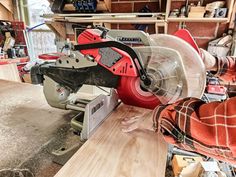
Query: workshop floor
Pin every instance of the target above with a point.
(28, 143)
(28, 135)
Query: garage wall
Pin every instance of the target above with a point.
(126, 6)
(202, 32)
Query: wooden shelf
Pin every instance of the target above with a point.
(229, 5)
(171, 19)
(106, 19)
(56, 21)
(134, 18)
(124, 20)
(103, 15)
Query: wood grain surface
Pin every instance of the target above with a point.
(112, 153)
(9, 72)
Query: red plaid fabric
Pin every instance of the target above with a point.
(226, 68)
(193, 125)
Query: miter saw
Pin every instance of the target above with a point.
(157, 69)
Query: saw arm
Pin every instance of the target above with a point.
(72, 78)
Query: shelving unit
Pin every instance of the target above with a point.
(105, 18)
(182, 21)
(57, 21)
(229, 5)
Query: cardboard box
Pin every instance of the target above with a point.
(195, 15)
(203, 169)
(198, 9)
(197, 12)
(179, 162)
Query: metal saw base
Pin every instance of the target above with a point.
(91, 115)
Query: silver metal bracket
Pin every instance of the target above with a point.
(94, 113)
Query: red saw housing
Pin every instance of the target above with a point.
(129, 90)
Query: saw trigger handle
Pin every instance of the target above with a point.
(137, 62)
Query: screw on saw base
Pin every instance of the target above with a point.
(89, 58)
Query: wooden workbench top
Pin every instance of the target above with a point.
(112, 153)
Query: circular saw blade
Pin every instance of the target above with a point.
(165, 68)
(192, 62)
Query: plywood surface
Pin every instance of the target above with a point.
(112, 153)
(9, 72)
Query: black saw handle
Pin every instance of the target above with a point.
(123, 47)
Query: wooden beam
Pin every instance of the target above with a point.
(115, 15)
(112, 153)
(5, 14)
(232, 19)
(168, 6)
(108, 4)
(230, 6)
(7, 4)
(129, 20)
(58, 28)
